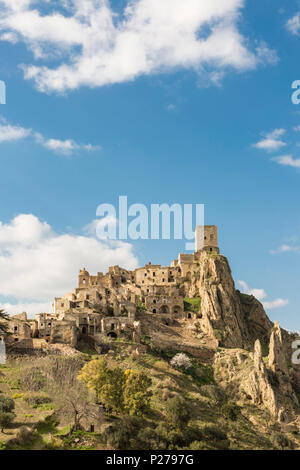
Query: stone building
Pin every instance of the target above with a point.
(20, 331)
(206, 238)
(109, 306)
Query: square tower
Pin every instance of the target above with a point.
(206, 237)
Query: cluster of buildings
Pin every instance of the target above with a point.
(106, 306)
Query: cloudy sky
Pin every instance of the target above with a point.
(162, 101)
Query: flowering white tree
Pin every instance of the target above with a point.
(181, 360)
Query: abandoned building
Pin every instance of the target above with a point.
(109, 306)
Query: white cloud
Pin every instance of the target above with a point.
(66, 147)
(38, 264)
(95, 46)
(293, 24)
(29, 307)
(288, 160)
(171, 107)
(261, 295)
(266, 55)
(271, 142)
(286, 249)
(278, 303)
(9, 133)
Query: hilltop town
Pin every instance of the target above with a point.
(108, 305)
(145, 317)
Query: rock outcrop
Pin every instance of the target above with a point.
(263, 380)
(235, 319)
(278, 366)
(257, 385)
(277, 352)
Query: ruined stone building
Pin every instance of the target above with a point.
(109, 305)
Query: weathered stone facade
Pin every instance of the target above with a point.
(107, 305)
(111, 305)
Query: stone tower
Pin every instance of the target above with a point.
(206, 238)
(83, 278)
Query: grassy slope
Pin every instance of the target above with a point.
(197, 388)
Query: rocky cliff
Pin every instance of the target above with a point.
(234, 319)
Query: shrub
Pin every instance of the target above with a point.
(215, 438)
(181, 360)
(36, 400)
(31, 379)
(192, 304)
(280, 441)
(123, 433)
(216, 395)
(199, 445)
(45, 407)
(17, 395)
(230, 410)
(177, 412)
(193, 433)
(170, 437)
(5, 419)
(148, 439)
(6, 404)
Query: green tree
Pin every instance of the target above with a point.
(119, 390)
(3, 324)
(111, 393)
(108, 383)
(5, 419)
(136, 392)
(6, 404)
(178, 413)
(6, 415)
(124, 433)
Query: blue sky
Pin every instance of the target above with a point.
(181, 125)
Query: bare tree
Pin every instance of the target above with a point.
(72, 397)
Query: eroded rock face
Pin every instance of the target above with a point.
(277, 351)
(246, 375)
(224, 314)
(278, 365)
(257, 385)
(258, 322)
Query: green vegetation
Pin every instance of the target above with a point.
(140, 307)
(245, 298)
(230, 410)
(6, 412)
(146, 339)
(3, 324)
(120, 391)
(137, 402)
(280, 441)
(192, 304)
(177, 412)
(264, 349)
